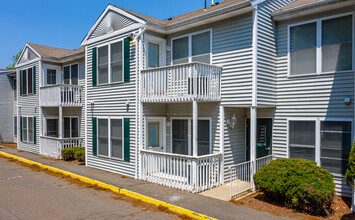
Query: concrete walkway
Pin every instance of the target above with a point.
(198, 203)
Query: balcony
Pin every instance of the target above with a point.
(182, 83)
(61, 95)
(52, 146)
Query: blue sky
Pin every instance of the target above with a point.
(65, 23)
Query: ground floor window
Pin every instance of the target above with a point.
(52, 127)
(27, 129)
(182, 141)
(15, 126)
(326, 142)
(110, 137)
(71, 127)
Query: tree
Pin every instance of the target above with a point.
(14, 60)
(350, 173)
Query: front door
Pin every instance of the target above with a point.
(263, 135)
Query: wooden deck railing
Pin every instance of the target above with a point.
(61, 94)
(52, 146)
(194, 174)
(183, 82)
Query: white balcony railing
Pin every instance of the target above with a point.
(61, 94)
(183, 82)
(52, 147)
(194, 174)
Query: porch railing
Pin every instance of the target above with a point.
(189, 173)
(182, 82)
(61, 94)
(241, 180)
(52, 146)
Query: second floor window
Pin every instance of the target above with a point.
(51, 77)
(71, 74)
(110, 63)
(192, 48)
(321, 46)
(27, 82)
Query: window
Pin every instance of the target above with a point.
(52, 127)
(302, 139)
(15, 126)
(153, 55)
(335, 43)
(51, 77)
(334, 147)
(71, 127)
(71, 74)
(199, 51)
(27, 129)
(110, 63)
(110, 138)
(15, 89)
(27, 81)
(203, 137)
(153, 134)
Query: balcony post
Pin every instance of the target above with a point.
(253, 128)
(221, 142)
(194, 142)
(60, 121)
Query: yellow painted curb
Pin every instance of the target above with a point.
(115, 189)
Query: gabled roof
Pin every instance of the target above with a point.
(299, 3)
(54, 52)
(190, 15)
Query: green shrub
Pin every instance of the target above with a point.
(80, 154)
(297, 183)
(69, 153)
(350, 172)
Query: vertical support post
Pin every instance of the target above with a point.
(194, 142)
(253, 127)
(140, 110)
(60, 132)
(221, 142)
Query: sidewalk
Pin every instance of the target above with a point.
(201, 204)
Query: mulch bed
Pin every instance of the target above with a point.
(341, 208)
(14, 146)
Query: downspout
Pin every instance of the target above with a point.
(136, 39)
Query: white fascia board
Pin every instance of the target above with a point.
(113, 8)
(115, 33)
(27, 63)
(23, 50)
(256, 2)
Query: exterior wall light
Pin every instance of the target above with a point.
(347, 100)
(232, 122)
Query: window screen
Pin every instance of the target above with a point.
(116, 138)
(203, 137)
(24, 128)
(337, 44)
(74, 127)
(29, 81)
(201, 47)
(181, 50)
(153, 54)
(24, 82)
(335, 145)
(116, 62)
(51, 77)
(302, 139)
(153, 134)
(52, 127)
(67, 75)
(103, 64)
(30, 129)
(303, 48)
(67, 127)
(103, 137)
(15, 125)
(180, 136)
(74, 74)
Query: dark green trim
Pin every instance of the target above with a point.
(21, 132)
(21, 83)
(94, 136)
(127, 55)
(34, 130)
(34, 79)
(126, 140)
(94, 66)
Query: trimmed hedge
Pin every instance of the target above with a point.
(350, 172)
(297, 183)
(73, 153)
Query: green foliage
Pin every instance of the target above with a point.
(14, 60)
(71, 153)
(297, 183)
(80, 154)
(350, 173)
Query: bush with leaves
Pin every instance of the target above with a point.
(70, 153)
(350, 172)
(80, 154)
(297, 183)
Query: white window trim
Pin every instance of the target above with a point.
(71, 130)
(45, 76)
(45, 127)
(108, 44)
(27, 93)
(318, 134)
(190, 44)
(318, 45)
(189, 134)
(161, 120)
(70, 76)
(109, 137)
(162, 50)
(23, 140)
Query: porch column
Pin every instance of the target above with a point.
(221, 142)
(60, 121)
(140, 108)
(253, 127)
(194, 127)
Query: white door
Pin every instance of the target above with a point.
(155, 134)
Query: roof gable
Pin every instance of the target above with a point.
(27, 55)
